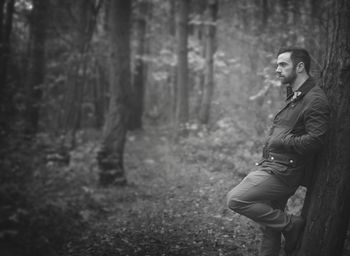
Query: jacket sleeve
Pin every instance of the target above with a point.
(316, 121)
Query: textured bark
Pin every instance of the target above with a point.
(139, 71)
(36, 64)
(327, 205)
(209, 55)
(182, 64)
(110, 158)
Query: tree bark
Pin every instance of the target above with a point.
(209, 69)
(110, 157)
(139, 71)
(327, 203)
(36, 64)
(182, 65)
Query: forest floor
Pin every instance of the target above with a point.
(171, 206)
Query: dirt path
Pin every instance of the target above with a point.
(170, 207)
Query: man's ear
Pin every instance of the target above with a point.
(300, 67)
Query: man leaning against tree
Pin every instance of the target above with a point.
(297, 134)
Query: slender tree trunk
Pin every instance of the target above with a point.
(199, 32)
(172, 17)
(36, 64)
(110, 157)
(2, 49)
(327, 204)
(182, 64)
(172, 70)
(139, 72)
(209, 69)
(99, 96)
(3, 64)
(6, 14)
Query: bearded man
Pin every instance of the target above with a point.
(297, 134)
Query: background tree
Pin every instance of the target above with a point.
(111, 155)
(328, 200)
(210, 46)
(182, 64)
(142, 15)
(36, 63)
(6, 14)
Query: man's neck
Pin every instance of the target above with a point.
(299, 81)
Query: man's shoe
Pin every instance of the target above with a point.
(292, 233)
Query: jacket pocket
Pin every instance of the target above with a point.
(283, 159)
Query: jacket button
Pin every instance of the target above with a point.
(272, 158)
(291, 161)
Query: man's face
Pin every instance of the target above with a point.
(285, 69)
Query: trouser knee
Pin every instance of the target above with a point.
(233, 202)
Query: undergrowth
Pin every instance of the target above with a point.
(36, 218)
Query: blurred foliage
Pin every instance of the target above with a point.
(31, 221)
(226, 147)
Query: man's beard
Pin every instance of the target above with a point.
(289, 79)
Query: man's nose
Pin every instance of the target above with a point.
(278, 69)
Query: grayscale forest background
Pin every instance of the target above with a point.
(124, 123)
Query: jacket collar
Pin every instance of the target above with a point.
(303, 89)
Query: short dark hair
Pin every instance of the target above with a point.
(298, 55)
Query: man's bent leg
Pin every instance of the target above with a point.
(249, 199)
(271, 239)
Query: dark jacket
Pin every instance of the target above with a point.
(297, 134)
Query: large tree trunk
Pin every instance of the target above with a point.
(182, 65)
(327, 205)
(139, 71)
(36, 64)
(110, 158)
(209, 55)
